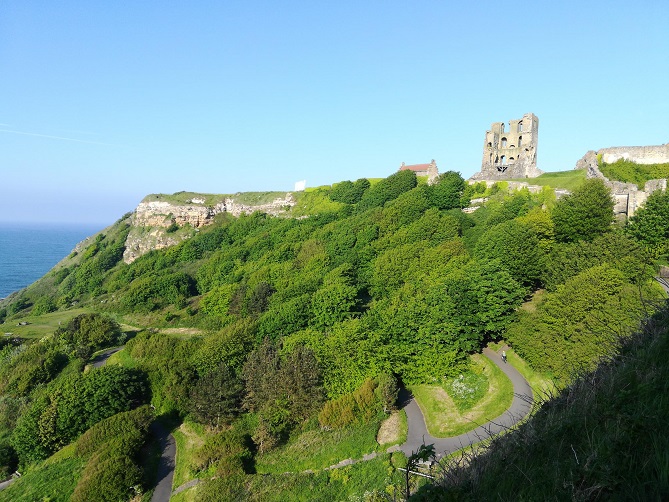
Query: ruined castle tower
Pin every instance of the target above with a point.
(511, 153)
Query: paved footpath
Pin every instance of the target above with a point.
(520, 406)
(166, 465)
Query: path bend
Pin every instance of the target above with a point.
(520, 407)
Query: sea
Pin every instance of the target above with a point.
(28, 251)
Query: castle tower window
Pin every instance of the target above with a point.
(520, 139)
(489, 144)
(520, 126)
(503, 160)
(511, 159)
(503, 142)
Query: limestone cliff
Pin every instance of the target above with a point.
(162, 221)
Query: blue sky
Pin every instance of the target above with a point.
(104, 102)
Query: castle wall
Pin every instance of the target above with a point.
(639, 154)
(628, 198)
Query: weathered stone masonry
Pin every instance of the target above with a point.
(510, 153)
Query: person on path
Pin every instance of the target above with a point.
(504, 356)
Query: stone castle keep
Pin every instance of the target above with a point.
(510, 153)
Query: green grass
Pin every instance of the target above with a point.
(467, 389)
(52, 481)
(568, 180)
(542, 385)
(123, 358)
(248, 198)
(441, 415)
(318, 449)
(351, 483)
(631, 172)
(314, 201)
(189, 437)
(40, 325)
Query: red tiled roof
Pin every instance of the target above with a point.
(415, 167)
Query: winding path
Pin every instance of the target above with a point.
(101, 359)
(520, 406)
(168, 448)
(418, 435)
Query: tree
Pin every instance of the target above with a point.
(216, 396)
(447, 192)
(388, 189)
(584, 214)
(516, 246)
(283, 390)
(89, 332)
(650, 225)
(349, 192)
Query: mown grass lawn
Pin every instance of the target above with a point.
(442, 417)
(41, 325)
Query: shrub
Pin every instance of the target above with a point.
(107, 478)
(129, 427)
(229, 451)
(360, 406)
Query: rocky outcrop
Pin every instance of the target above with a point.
(158, 224)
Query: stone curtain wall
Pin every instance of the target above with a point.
(639, 154)
(628, 198)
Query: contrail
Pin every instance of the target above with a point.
(55, 137)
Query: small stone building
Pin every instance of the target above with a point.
(430, 170)
(510, 153)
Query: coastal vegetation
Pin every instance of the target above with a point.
(278, 345)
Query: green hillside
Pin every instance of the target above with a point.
(274, 345)
(601, 439)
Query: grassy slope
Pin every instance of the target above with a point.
(53, 480)
(602, 438)
(631, 172)
(559, 179)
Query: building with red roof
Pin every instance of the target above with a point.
(430, 170)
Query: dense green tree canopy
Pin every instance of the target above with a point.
(650, 225)
(584, 214)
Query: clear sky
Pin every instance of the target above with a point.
(102, 103)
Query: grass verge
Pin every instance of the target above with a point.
(189, 437)
(371, 480)
(318, 449)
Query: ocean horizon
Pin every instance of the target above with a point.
(30, 250)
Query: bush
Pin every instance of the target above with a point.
(107, 478)
(228, 451)
(360, 406)
(129, 427)
(87, 333)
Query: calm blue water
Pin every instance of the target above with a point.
(28, 251)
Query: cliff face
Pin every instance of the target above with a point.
(152, 219)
